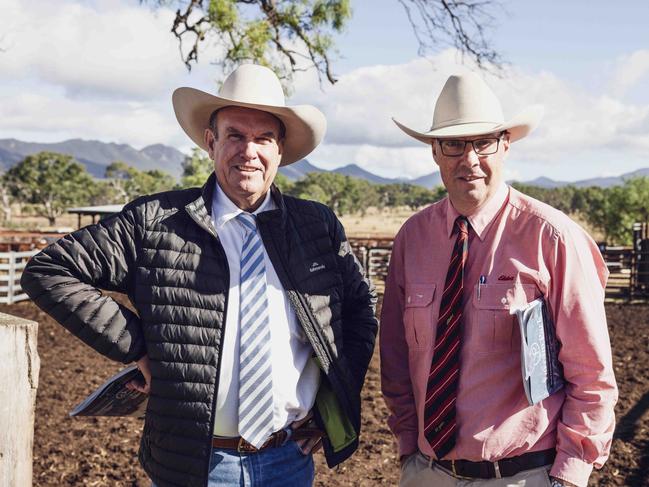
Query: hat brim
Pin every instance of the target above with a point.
(305, 124)
(518, 127)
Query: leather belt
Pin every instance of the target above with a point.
(506, 467)
(276, 439)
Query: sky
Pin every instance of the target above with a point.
(105, 70)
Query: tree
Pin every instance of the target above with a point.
(196, 169)
(461, 24)
(5, 199)
(410, 195)
(51, 181)
(343, 194)
(616, 209)
(283, 183)
(612, 210)
(325, 187)
(418, 196)
(127, 182)
(638, 192)
(294, 35)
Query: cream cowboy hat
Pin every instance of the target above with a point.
(252, 86)
(466, 106)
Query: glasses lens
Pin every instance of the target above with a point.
(453, 147)
(486, 146)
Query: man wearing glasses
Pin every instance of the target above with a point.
(450, 347)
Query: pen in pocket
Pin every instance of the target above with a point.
(482, 280)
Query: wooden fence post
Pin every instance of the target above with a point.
(19, 367)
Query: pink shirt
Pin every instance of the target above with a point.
(524, 249)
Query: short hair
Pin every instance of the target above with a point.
(213, 117)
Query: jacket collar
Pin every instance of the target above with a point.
(200, 210)
(280, 211)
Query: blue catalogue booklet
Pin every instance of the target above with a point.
(113, 398)
(542, 371)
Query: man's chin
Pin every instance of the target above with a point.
(250, 183)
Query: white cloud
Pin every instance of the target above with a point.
(97, 70)
(109, 49)
(360, 106)
(576, 124)
(630, 70)
(392, 162)
(576, 121)
(105, 69)
(59, 118)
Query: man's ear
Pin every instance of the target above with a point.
(280, 148)
(208, 138)
(434, 149)
(506, 143)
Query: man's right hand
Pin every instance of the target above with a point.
(134, 385)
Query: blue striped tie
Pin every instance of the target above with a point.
(255, 371)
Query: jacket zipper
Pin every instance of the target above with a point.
(220, 354)
(315, 337)
(218, 360)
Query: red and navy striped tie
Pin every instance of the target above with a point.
(441, 391)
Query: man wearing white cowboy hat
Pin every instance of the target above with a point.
(255, 324)
(450, 345)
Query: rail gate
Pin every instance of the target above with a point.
(628, 266)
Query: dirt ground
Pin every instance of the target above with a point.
(102, 451)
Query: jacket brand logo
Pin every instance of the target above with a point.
(504, 277)
(316, 267)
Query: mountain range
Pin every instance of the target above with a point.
(96, 156)
(603, 182)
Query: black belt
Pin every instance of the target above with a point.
(506, 467)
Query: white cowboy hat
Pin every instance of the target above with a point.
(466, 106)
(252, 86)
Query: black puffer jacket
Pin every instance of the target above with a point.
(163, 251)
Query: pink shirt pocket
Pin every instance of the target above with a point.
(493, 328)
(419, 316)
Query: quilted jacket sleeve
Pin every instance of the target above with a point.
(65, 281)
(359, 304)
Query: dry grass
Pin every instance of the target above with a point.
(376, 223)
(64, 223)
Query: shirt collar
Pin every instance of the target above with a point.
(481, 219)
(224, 209)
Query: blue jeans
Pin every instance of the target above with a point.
(284, 466)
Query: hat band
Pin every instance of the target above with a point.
(456, 122)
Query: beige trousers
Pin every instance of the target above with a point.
(416, 472)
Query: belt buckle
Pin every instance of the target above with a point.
(244, 447)
(457, 475)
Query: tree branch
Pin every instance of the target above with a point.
(262, 30)
(462, 24)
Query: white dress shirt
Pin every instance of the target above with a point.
(296, 376)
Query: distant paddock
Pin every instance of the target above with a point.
(628, 266)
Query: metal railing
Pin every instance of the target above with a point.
(628, 266)
(11, 267)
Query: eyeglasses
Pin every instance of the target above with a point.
(482, 147)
